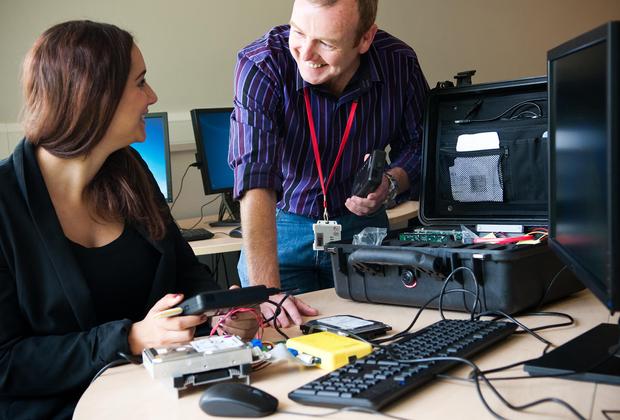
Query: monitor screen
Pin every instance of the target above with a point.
(155, 151)
(583, 164)
(584, 193)
(211, 131)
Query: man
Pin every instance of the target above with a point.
(331, 73)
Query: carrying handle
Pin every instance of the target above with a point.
(400, 257)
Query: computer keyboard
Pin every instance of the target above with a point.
(378, 379)
(196, 234)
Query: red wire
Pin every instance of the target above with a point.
(231, 312)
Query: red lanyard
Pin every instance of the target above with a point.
(315, 146)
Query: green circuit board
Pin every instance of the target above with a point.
(432, 235)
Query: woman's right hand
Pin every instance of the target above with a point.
(153, 331)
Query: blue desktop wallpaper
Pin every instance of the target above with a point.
(215, 127)
(153, 151)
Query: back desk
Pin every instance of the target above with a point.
(222, 242)
(127, 392)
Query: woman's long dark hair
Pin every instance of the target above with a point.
(73, 80)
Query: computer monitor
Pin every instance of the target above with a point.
(584, 192)
(211, 132)
(155, 150)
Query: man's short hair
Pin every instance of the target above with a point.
(367, 10)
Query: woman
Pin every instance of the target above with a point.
(88, 249)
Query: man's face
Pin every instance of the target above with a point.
(322, 42)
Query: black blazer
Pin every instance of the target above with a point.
(50, 343)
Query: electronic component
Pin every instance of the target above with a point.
(329, 350)
(219, 299)
(343, 324)
(369, 177)
(432, 235)
(204, 360)
(325, 231)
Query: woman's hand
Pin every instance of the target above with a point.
(153, 331)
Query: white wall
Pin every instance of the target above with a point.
(190, 48)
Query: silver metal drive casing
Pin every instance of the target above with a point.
(204, 354)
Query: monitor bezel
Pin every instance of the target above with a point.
(608, 293)
(167, 158)
(200, 156)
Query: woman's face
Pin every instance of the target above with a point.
(127, 125)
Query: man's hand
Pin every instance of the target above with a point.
(361, 206)
(292, 308)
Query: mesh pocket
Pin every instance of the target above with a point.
(477, 179)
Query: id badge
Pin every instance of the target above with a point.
(324, 233)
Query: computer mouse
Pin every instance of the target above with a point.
(228, 399)
(236, 232)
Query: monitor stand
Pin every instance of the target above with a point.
(230, 207)
(594, 356)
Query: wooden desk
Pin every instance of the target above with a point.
(400, 215)
(128, 391)
(221, 242)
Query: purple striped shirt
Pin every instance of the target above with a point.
(270, 145)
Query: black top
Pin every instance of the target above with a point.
(51, 342)
(119, 275)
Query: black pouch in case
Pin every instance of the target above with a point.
(497, 182)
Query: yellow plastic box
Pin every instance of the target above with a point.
(333, 350)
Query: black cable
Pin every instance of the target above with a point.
(515, 321)
(511, 365)
(406, 330)
(443, 292)
(222, 210)
(477, 372)
(225, 271)
(513, 108)
(201, 214)
(131, 358)
(345, 409)
(114, 363)
(606, 413)
(445, 284)
(513, 378)
(216, 265)
(548, 288)
(181, 186)
(477, 376)
(529, 331)
(503, 378)
(415, 319)
(125, 360)
(424, 306)
(275, 315)
(570, 321)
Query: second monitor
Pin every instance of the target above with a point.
(155, 150)
(211, 132)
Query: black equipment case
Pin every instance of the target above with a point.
(505, 185)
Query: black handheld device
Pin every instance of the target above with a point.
(369, 177)
(220, 299)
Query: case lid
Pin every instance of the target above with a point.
(485, 154)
